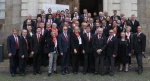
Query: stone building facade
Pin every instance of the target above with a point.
(14, 12)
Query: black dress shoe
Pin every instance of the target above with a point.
(66, 72)
(55, 72)
(49, 74)
(40, 72)
(13, 75)
(63, 73)
(95, 73)
(111, 74)
(84, 73)
(140, 72)
(34, 73)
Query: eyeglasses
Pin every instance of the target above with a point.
(64, 29)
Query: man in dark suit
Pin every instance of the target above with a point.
(29, 19)
(23, 52)
(87, 51)
(99, 45)
(40, 15)
(37, 24)
(115, 15)
(92, 25)
(85, 14)
(106, 28)
(13, 49)
(37, 43)
(111, 52)
(64, 48)
(139, 44)
(134, 24)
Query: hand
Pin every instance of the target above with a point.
(83, 52)
(75, 51)
(49, 55)
(61, 53)
(143, 52)
(99, 51)
(114, 55)
(10, 54)
(130, 54)
(32, 53)
(22, 56)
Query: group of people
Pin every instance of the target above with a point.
(96, 42)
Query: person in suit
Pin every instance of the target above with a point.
(124, 52)
(64, 48)
(87, 51)
(13, 49)
(50, 20)
(37, 43)
(30, 33)
(106, 28)
(85, 14)
(76, 45)
(37, 24)
(99, 45)
(129, 37)
(139, 44)
(111, 52)
(53, 53)
(134, 24)
(40, 15)
(92, 25)
(117, 29)
(23, 52)
(115, 15)
(101, 16)
(49, 12)
(29, 19)
(83, 28)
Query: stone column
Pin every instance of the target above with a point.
(126, 7)
(32, 7)
(110, 6)
(105, 3)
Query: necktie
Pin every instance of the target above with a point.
(38, 37)
(27, 43)
(66, 37)
(88, 36)
(108, 40)
(16, 40)
(99, 38)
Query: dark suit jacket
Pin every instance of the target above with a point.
(30, 40)
(139, 43)
(37, 46)
(51, 45)
(112, 47)
(86, 44)
(134, 26)
(23, 47)
(63, 44)
(106, 30)
(99, 44)
(11, 44)
(74, 42)
(25, 23)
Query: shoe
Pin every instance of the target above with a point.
(111, 74)
(55, 72)
(40, 72)
(49, 74)
(66, 72)
(95, 73)
(13, 75)
(140, 72)
(84, 73)
(34, 73)
(63, 73)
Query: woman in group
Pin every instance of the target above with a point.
(124, 52)
(129, 37)
(53, 53)
(76, 44)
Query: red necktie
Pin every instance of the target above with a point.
(99, 38)
(66, 37)
(88, 36)
(16, 42)
(108, 40)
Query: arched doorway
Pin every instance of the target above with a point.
(91, 5)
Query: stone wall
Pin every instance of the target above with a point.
(144, 19)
